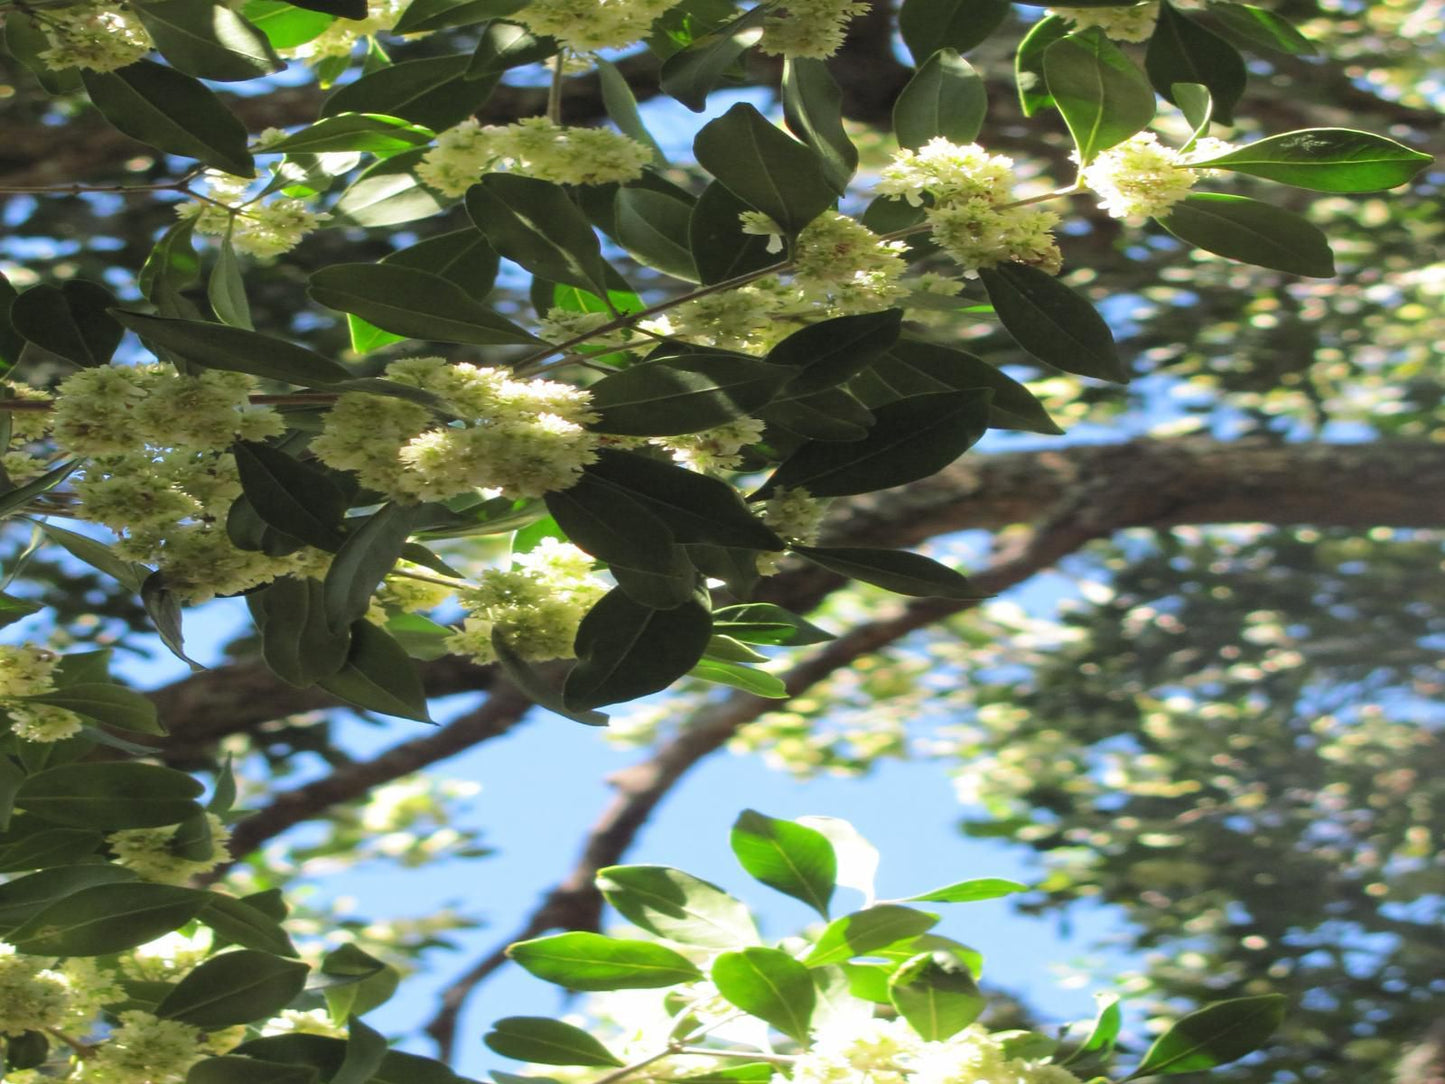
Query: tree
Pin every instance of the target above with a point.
(636, 475)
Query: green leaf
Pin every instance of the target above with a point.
(388, 194)
(626, 650)
(1104, 98)
(911, 439)
(209, 41)
(298, 644)
(936, 994)
(505, 45)
(653, 227)
(1214, 1035)
(738, 676)
(1259, 27)
(412, 302)
(831, 414)
(813, 110)
(1252, 232)
(971, 891)
(764, 167)
(930, 25)
(110, 796)
(864, 932)
(894, 570)
(24, 897)
(621, 106)
(945, 97)
(25, 41)
(235, 1069)
(833, 351)
(423, 15)
(347, 9)
(11, 342)
(235, 349)
(234, 988)
(1052, 322)
(683, 394)
(721, 648)
(795, 860)
(109, 705)
(462, 257)
(368, 554)
(50, 847)
(857, 858)
(170, 267)
(534, 223)
(16, 609)
(521, 674)
(172, 112)
(247, 923)
(1182, 51)
(1029, 63)
(365, 1052)
(17, 498)
(720, 249)
(766, 623)
(1326, 160)
(286, 25)
(301, 499)
(690, 73)
(677, 906)
(432, 92)
(915, 367)
(770, 985)
(71, 320)
(107, 918)
(226, 290)
(378, 676)
(375, 133)
(695, 507)
(589, 961)
(164, 610)
(547, 1042)
(96, 554)
(1107, 1021)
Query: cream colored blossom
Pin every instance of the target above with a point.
(842, 259)
(32, 997)
(148, 852)
(532, 147)
(1120, 23)
(757, 224)
(714, 449)
(1140, 178)
(795, 514)
(143, 1049)
(262, 229)
(27, 671)
(808, 28)
(168, 957)
(585, 26)
(340, 38)
(98, 36)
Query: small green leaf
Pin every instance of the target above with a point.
(1104, 98)
(770, 985)
(864, 932)
(764, 167)
(98, 555)
(1107, 1021)
(683, 394)
(945, 97)
(1182, 51)
(1197, 105)
(914, 367)
(365, 1052)
(690, 73)
(1029, 63)
(1214, 1035)
(930, 25)
(832, 351)
(626, 650)
(1258, 27)
(971, 891)
(432, 92)
(412, 302)
(286, 25)
(301, 499)
(894, 570)
(378, 676)
(547, 1042)
(110, 796)
(226, 290)
(766, 623)
(677, 906)
(107, 918)
(107, 704)
(795, 860)
(71, 320)
(247, 922)
(236, 1069)
(235, 349)
(813, 109)
(738, 676)
(368, 554)
(234, 988)
(521, 674)
(375, 133)
(164, 610)
(720, 249)
(653, 227)
(298, 644)
(590, 961)
(534, 223)
(13, 500)
(1052, 322)
(24, 897)
(1326, 160)
(621, 106)
(388, 194)
(1252, 232)
(936, 994)
(504, 45)
(209, 41)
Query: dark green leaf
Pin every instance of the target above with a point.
(369, 553)
(234, 1069)
(521, 674)
(683, 394)
(864, 932)
(589, 961)
(930, 25)
(1258, 27)
(16, 609)
(172, 112)
(389, 193)
(936, 994)
(945, 97)
(1029, 63)
(11, 342)
(215, 346)
(1182, 51)
(414, 303)
(1252, 232)
(172, 266)
(110, 796)
(764, 167)
(70, 320)
(24, 897)
(1195, 103)
(50, 847)
(378, 676)
(301, 499)
(813, 109)
(1214, 1035)
(831, 414)
(1104, 98)
(1052, 322)
(894, 570)
(690, 73)
(796, 860)
(98, 555)
(462, 257)
(979, 888)
(914, 367)
(765, 623)
(226, 290)
(365, 1052)
(833, 351)
(770, 985)
(109, 705)
(626, 650)
(720, 249)
(17, 498)
(504, 45)
(677, 906)
(737, 676)
(547, 1042)
(375, 133)
(621, 106)
(234, 988)
(911, 439)
(534, 223)
(1326, 160)
(164, 610)
(431, 92)
(422, 15)
(102, 919)
(209, 41)
(347, 9)
(653, 227)
(297, 642)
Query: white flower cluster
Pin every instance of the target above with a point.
(260, 229)
(32, 997)
(340, 38)
(537, 604)
(714, 449)
(585, 26)
(1141, 178)
(522, 438)
(796, 516)
(1120, 23)
(890, 1052)
(842, 260)
(149, 852)
(808, 28)
(973, 214)
(533, 147)
(143, 1049)
(96, 35)
(28, 671)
